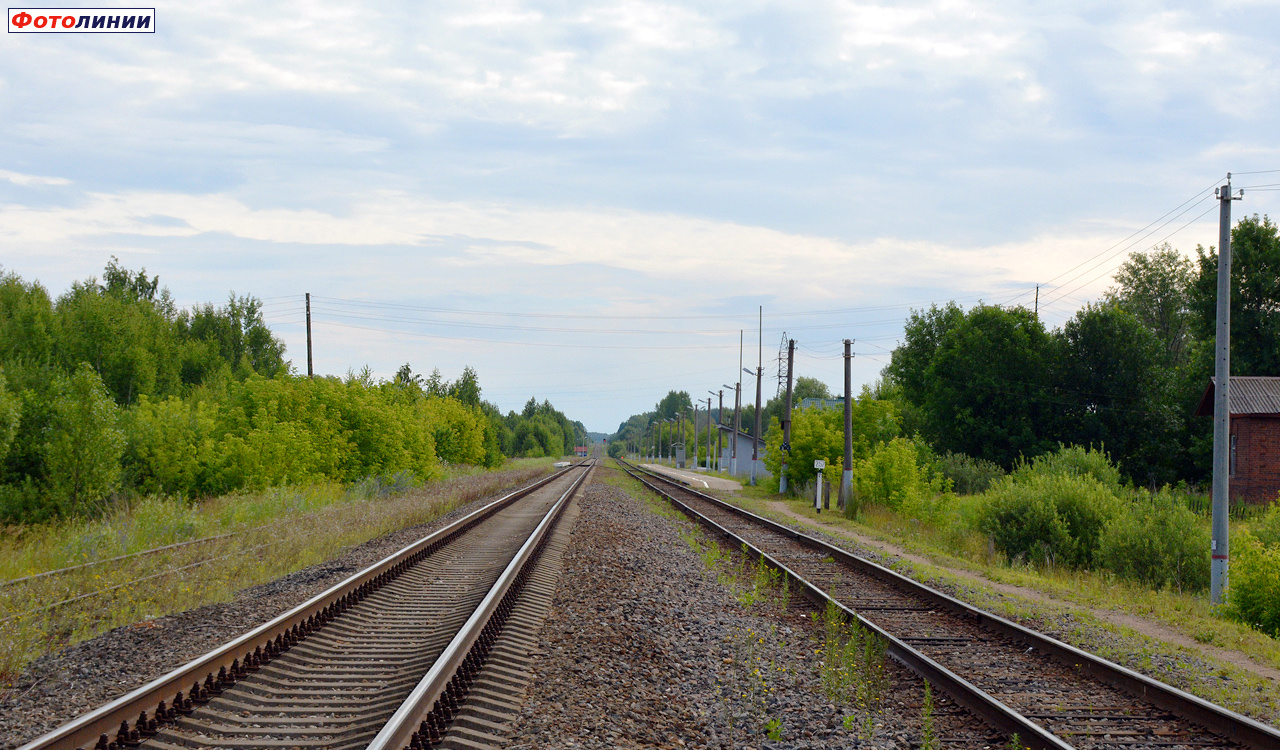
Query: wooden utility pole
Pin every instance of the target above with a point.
(310, 372)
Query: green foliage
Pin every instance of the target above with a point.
(1047, 517)
(981, 380)
(1071, 461)
(969, 475)
(112, 383)
(1155, 288)
(1159, 541)
(672, 404)
(1116, 389)
(819, 434)
(82, 454)
(10, 415)
(617, 448)
(1255, 294)
(1266, 528)
(893, 475)
(1254, 595)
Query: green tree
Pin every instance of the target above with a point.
(981, 379)
(467, 387)
(27, 328)
(675, 402)
(10, 415)
(1155, 287)
(1114, 390)
(819, 434)
(83, 452)
(1255, 296)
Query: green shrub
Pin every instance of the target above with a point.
(82, 454)
(969, 475)
(1267, 527)
(1053, 518)
(893, 477)
(1254, 594)
(1071, 460)
(1158, 541)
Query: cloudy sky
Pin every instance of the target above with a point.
(587, 201)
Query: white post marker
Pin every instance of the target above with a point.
(819, 464)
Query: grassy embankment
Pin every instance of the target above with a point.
(954, 551)
(263, 535)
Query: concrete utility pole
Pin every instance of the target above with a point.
(310, 372)
(709, 432)
(695, 433)
(846, 475)
(1220, 543)
(786, 419)
(720, 433)
(755, 438)
(736, 424)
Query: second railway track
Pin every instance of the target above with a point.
(1050, 694)
(382, 660)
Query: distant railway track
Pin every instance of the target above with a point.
(384, 660)
(1050, 694)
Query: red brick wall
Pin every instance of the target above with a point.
(1257, 476)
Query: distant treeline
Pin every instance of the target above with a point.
(109, 390)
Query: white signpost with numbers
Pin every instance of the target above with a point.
(817, 495)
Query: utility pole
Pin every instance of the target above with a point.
(736, 424)
(846, 476)
(1037, 301)
(755, 438)
(1220, 543)
(695, 433)
(786, 419)
(708, 433)
(310, 372)
(720, 433)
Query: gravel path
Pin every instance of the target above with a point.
(647, 647)
(58, 687)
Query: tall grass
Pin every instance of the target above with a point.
(250, 538)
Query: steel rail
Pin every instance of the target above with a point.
(398, 732)
(259, 645)
(1217, 719)
(981, 703)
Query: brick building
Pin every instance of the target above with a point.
(1255, 436)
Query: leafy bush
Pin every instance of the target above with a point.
(1267, 528)
(969, 475)
(1074, 461)
(82, 454)
(1254, 595)
(819, 434)
(1158, 541)
(892, 476)
(1050, 517)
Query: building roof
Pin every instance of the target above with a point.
(1248, 395)
(729, 428)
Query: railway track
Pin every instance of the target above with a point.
(417, 651)
(1050, 694)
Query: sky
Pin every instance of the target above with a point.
(587, 202)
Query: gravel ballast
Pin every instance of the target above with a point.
(647, 647)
